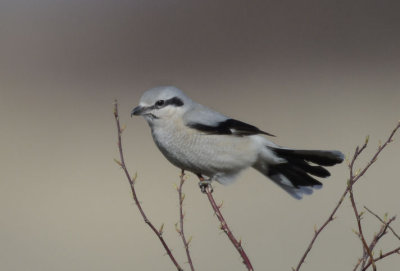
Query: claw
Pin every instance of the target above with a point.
(204, 184)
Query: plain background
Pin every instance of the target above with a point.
(318, 74)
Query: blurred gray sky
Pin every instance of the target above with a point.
(96, 39)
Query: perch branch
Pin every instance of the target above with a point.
(225, 228)
(131, 181)
(181, 217)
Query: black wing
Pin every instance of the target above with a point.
(228, 127)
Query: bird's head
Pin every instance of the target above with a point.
(162, 103)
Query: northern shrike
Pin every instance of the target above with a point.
(207, 143)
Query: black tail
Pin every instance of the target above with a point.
(296, 175)
(322, 158)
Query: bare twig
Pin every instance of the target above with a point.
(181, 217)
(320, 229)
(381, 220)
(375, 157)
(353, 203)
(225, 228)
(121, 163)
(374, 242)
(353, 179)
(396, 250)
(348, 187)
(381, 233)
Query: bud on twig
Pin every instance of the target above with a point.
(118, 162)
(160, 231)
(189, 240)
(122, 128)
(177, 228)
(220, 205)
(183, 197)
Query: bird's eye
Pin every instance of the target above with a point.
(160, 103)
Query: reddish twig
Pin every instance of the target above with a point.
(396, 250)
(225, 228)
(121, 163)
(383, 222)
(320, 229)
(181, 217)
(349, 186)
(353, 179)
(375, 240)
(381, 233)
(353, 204)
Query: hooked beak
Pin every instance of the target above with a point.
(138, 110)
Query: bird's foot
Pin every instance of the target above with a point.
(204, 184)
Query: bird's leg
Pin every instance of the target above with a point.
(204, 184)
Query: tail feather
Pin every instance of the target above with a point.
(295, 175)
(322, 158)
(318, 171)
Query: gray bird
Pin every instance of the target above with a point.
(209, 144)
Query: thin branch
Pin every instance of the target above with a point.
(131, 181)
(374, 242)
(358, 263)
(380, 148)
(181, 217)
(320, 229)
(381, 233)
(353, 179)
(353, 203)
(396, 250)
(381, 220)
(361, 173)
(225, 228)
(367, 250)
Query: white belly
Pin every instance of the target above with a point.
(205, 154)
